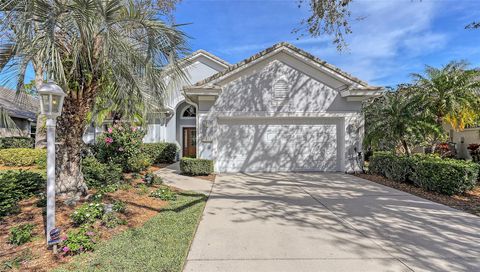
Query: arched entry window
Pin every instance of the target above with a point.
(189, 112)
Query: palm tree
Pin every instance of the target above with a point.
(397, 119)
(451, 93)
(84, 45)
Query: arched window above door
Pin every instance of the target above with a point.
(189, 112)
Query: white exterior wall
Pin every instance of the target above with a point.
(167, 130)
(312, 98)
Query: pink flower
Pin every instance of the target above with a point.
(134, 129)
(64, 238)
(65, 249)
(108, 140)
(110, 130)
(120, 149)
(90, 233)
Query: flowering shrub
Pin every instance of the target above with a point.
(87, 213)
(119, 144)
(164, 193)
(78, 241)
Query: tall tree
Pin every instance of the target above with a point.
(83, 45)
(398, 119)
(332, 17)
(451, 93)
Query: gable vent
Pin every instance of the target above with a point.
(280, 89)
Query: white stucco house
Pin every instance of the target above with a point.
(280, 110)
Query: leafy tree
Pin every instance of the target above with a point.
(84, 45)
(451, 93)
(332, 17)
(397, 119)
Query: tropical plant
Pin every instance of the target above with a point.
(451, 93)
(397, 119)
(85, 45)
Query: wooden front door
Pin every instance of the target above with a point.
(189, 142)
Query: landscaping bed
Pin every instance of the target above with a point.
(140, 207)
(468, 201)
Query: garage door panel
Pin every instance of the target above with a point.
(254, 146)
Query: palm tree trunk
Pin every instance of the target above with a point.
(405, 146)
(70, 129)
(40, 131)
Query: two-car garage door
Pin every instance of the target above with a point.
(277, 144)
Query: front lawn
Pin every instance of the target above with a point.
(161, 244)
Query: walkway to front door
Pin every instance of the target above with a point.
(189, 142)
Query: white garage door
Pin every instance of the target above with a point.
(277, 144)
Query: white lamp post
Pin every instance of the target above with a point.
(51, 103)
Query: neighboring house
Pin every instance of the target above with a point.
(461, 139)
(280, 110)
(22, 109)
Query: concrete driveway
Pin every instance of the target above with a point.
(328, 222)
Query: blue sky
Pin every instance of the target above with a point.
(395, 38)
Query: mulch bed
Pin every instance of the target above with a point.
(139, 208)
(469, 201)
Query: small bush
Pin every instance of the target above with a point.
(78, 241)
(16, 262)
(16, 185)
(164, 193)
(87, 213)
(160, 152)
(196, 167)
(152, 179)
(16, 142)
(394, 167)
(97, 174)
(20, 235)
(111, 220)
(138, 163)
(119, 206)
(23, 157)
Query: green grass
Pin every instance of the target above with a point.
(161, 244)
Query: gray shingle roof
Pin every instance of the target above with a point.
(293, 48)
(19, 105)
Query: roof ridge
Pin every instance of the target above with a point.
(273, 48)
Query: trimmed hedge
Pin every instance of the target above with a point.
(16, 185)
(196, 167)
(16, 142)
(160, 152)
(445, 176)
(23, 157)
(97, 174)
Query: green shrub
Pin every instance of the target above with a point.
(16, 142)
(87, 213)
(21, 234)
(152, 179)
(119, 144)
(138, 163)
(111, 220)
(97, 174)
(445, 176)
(119, 206)
(16, 185)
(387, 164)
(164, 193)
(78, 241)
(196, 167)
(23, 157)
(160, 152)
